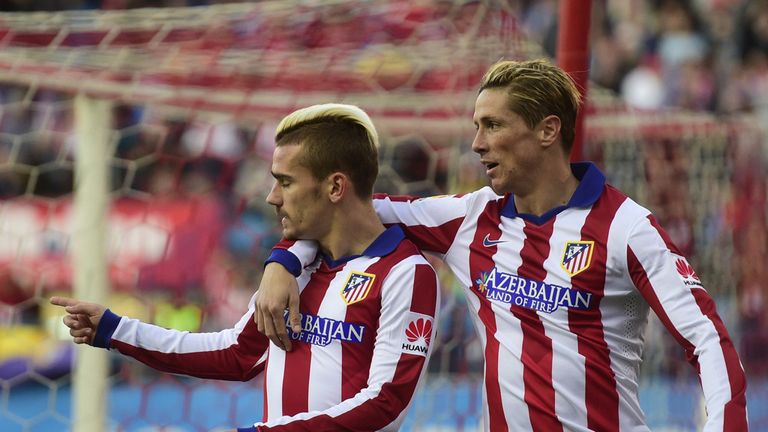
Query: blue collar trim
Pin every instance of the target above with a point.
(385, 244)
(591, 184)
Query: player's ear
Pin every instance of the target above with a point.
(548, 129)
(338, 185)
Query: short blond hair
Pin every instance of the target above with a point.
(536, 89)
(334, 137)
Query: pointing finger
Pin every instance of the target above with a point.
(62, 301)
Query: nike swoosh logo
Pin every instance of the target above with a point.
(487, 242)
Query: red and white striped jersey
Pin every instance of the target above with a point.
(561, 302)
(355, 365)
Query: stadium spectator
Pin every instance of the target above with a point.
(561, 271)
(706, 54)
(366, 331)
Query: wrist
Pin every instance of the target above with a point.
(106, 328)
(287, 260)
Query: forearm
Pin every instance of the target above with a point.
(721, 374)
(431, 224)
(232, 354)
(676, 294)
(376, 407)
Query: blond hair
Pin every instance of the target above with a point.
(334, 138)
(537, 89)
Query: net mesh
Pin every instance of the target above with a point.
(197, 94)
(404, 62)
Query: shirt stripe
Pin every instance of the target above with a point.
(480, 260)
(602, 399)
(296, 372)
(537, 346)
(354, 360)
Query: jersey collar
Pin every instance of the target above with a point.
(384, 245)
(591, 183)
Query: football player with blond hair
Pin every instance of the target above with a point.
(365, 332)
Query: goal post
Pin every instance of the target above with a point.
(93, 120)
(573, 56)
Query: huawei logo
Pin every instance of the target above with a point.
(420, 328)
(417, 334)
(685, 269)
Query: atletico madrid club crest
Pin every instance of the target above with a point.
(577, 256)
(357, 287)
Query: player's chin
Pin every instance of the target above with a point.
(293, 232)
(500, 187)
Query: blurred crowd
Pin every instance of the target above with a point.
(686, 55)
(709, 55)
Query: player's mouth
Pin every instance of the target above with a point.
(489, 166)
(283, 218)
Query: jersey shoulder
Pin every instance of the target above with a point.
(407, 251)
(630, 210)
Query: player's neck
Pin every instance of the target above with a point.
(354, 228)
(554, 188)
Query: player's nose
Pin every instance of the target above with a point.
(479, 145)
(274, 197)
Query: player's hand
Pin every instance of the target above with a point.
(278, 289)
(82, 318)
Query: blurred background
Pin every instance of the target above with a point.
(676, 116)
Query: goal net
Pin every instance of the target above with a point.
(193, 96)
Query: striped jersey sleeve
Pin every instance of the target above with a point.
(294, 255)
(235, 354)
(430, 223)
(401, 349)
(674, 291)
